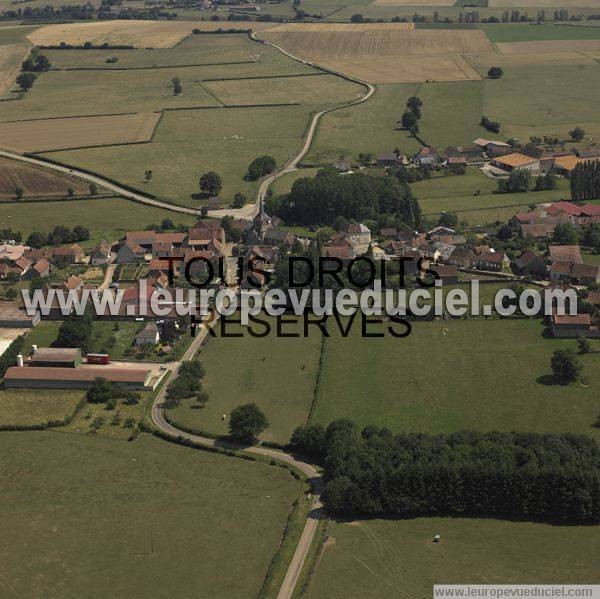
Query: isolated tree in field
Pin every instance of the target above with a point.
(565, 365)
(261, 166)
(495, 73)
(19, 193)
(409, 122)
(211, 183)
(25, 81)
(583, 345)
(177, 87)
(239, 200)
(148, 175)
(492, 126)
(70, 192)
(577, 134)
(93, 189)
(247, 422)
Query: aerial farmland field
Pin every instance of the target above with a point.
(42, 135)
(35, 182)
(157, 498)
(397, 558)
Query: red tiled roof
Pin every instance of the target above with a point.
(572, 319)
(558, 207)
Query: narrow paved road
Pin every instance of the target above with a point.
(296, 564)
(108, 275)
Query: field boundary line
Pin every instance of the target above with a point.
(210, 93)
(166, 66)
(313, 403)
(478, 209)
(280, 104)
(111, 145)
(76, 116)
(265, 77)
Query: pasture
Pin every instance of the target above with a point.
(450, 116)
(473, 193)
(396, 558)
(425, 382)
(225, 140)
(522, 32)
(30, 407)
(147, 501)
(58, 134)
(139, 34)
(551, 46)
(278, 374)
(108, 218)
(225, 55)
(35, 181)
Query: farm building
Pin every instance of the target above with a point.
(511, 162)
(26, 377)
(40, 269)
(571, 326)
(101, 254)
(565, 253)
(70, 254)
(148, 335)
(447, 273)
(529, 263)
(388, 159)
(14, 316)
(492, 147)
(55, 357)
(129, 252)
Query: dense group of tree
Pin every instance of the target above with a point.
(489, 125)
(261, 166)
(585, 181)
(521, 475)
(60, 234)
(187, 385)
(76, 331)
(321, 199)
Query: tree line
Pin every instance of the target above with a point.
(520, 475)
(60, 234)
(358, 196)
(585, 181)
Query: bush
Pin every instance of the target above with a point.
(246, 423)
(566, 366)
(261, 166)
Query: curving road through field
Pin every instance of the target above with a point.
(249, 211)
(310, 472)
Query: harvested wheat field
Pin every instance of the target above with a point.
(77, 132)
(392, 70)
(374, 51)
(10, 62)
(550, 46)
(139, 34)
(485, 61)
(35, 181)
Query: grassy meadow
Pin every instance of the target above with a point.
(224, 140)
(277, 374)
(396, 558)
(457, 194)
(108, 218)
(450, 116)
(28, 407)
(483, 375)
(85, 516)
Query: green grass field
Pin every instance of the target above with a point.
(86, 516)
(284, 183)
(224, 140)
(451, 113)
(277, 374)
(195, 49)
(396, 558)
(25, 407)
(106, 218)
(524, 32)
(482, 375)
(457, 194)
(540, 100)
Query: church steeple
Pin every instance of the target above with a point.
(262, 221)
